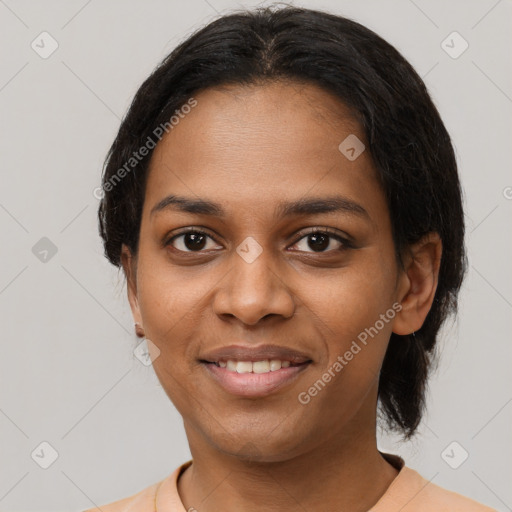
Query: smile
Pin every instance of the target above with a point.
(254, 379)
(264, 366)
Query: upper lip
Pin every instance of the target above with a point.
(257, 353)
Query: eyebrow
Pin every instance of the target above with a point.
(306, 206)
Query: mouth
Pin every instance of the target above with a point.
(264, 366)
(254, 372)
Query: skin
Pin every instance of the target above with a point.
(249, 148)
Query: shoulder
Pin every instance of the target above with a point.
(147, 499)
(143, 501)
(421, 495)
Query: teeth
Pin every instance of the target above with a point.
(261, 367)
(275, 364)
(244, 367)
(264, 366)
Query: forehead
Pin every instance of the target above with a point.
(271, 113)
(253, 145)
(269, 101)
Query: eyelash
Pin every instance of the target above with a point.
(346, 244)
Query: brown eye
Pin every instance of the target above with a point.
(190, 241)
(320, 240)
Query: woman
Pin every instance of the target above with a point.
(284, 201)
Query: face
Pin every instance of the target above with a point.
(262, 281)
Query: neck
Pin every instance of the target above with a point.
(345, 472)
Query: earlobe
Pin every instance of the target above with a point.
(419, 284)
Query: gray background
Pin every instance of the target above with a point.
(68, 373)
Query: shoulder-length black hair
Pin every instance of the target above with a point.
(409, 144)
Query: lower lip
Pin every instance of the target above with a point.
(254, 385)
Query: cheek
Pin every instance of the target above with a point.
(170, 297)
(353, 299)
(359, 321)
(173, 303)
(166, 305)
(354, 310)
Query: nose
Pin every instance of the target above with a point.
(253, 290)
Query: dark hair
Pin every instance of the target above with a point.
(410, 146)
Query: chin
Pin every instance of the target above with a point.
(254, 446)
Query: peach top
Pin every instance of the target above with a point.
(409, 492)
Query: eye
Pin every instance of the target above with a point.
(320, 240)
(317, 239)
(190, 240)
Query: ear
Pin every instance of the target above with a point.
(418, 283)
(130, 271)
